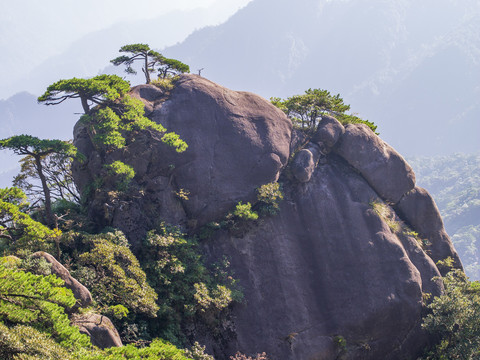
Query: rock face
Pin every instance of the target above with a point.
(237, 142)
(81, 293)
(384, 169)
(327, 265)
(419, 210)
(100, 329)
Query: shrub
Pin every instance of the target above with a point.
(269, 196)
(124, 172)
(240, 356)
(18, 231)
(166, 84)
(454, 318)
(25, 342)
(158, 349)
(307, 110)
(197, 352)
(186, 289)
(114, 276)
(244, 212)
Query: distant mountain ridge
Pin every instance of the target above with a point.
(412, 68)
(89, 55)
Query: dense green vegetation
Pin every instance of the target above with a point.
(307, 110)
(454, 318)
(454, 182)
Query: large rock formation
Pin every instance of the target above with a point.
(328, 265)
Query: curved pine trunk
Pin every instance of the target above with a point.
(46, 191)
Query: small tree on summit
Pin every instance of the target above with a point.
(307, 110)
(96, 90)
(150, 59)
(171, 67)
(140, 52)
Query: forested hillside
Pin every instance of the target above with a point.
(454, 182)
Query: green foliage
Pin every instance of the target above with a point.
(244, 212)
(387, 214)
(114, 126)
(240, 356)
(395, 224)
(354, 119)
(185, 287)
(182, 194)
(167, 84)
(18, 231)
(123, 172)
(157, 350)
(107, 128)
(38, 301)
(31, 145)
(340, 341)
(454, 319)
(269, 196)
(117, 311)
(21, 342)
(454, 183)
(217, 298)
(197, 352)
(171, 67)
(307, 110)
(114, 276)
(150, 59)
(100, 89)
(140, 52)
(172, 139)
(56, 169)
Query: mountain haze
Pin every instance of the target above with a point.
(50, 58)
(412, 68)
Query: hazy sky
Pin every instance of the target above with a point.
(31, 31)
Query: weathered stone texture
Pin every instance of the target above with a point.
(326, 264)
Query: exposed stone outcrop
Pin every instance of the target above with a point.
(419, 210)
(305, 161)
(325, 137)
(237, 142)
(386, 171)
(81, 293)
(327, 264)
(100, 329)
(328, 132)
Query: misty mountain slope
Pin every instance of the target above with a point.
(454, 182)
(89, 55)
(398, 63)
